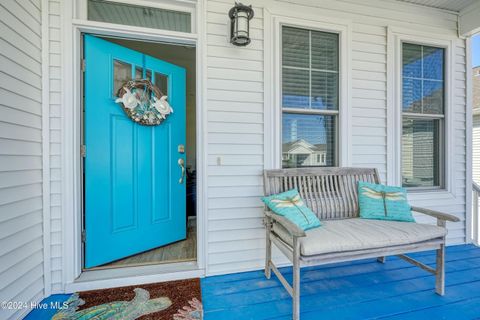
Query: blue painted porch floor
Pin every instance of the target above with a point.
(362, 289)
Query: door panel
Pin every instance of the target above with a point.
(133, 199)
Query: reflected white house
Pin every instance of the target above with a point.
(300, 153)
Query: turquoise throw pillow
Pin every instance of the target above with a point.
(382, 202)
(291, 206)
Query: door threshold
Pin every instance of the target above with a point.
(142, 264)
(127, 276)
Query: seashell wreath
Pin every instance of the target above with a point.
(143, 102)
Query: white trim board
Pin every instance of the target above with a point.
(71, 135)
(395, 36)
(272, 78)
(469, 236)
(46, 150)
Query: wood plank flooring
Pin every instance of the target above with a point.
(363, 289)
(185, 250)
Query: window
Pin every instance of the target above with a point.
(139, 16)
(310, 97)
(423, 115)
(122, 72)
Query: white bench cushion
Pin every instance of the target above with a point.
(359, 234)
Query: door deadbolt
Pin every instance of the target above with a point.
(181, 148)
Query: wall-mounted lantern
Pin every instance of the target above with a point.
(240, 16)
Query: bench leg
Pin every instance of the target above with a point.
(440, 271)
(268, 255)
(296, 280)
(382, 259)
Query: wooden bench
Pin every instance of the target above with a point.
(332, 194)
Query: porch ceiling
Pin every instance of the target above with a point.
(457, 5)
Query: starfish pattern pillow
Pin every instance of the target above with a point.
(290, 205)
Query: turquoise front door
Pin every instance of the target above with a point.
(134, 191)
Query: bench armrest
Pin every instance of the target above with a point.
(291, 227)
(436, 214)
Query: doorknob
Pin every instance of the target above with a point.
(181, 163)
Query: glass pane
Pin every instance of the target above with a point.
(423, 69)
(140, 16)
(122, 72)
(295, 86)
(161, 81)
(148, 75)
(138, 73)
(432, 97)
(433, 63)
(324, 90)
(308, 140)
(324, 51)
(412, 60)
(420, 153)
(295, 47)
(412, 95)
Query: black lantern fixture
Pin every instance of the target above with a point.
(240, 16)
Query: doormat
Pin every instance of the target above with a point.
(173, 300)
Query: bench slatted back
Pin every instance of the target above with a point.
(330, 192)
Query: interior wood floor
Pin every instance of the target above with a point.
(185, 250)
(362, 289)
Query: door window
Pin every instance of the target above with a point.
(122, 72)
(161, 81)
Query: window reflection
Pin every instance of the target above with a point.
(423, 115)
(310, 86)
(420, 156)
(308, 140)
(423, 87)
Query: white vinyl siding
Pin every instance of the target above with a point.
(235, 109)
(235, 133)
(55, 73)
(476, 149)
(21, 215)
(235, 112)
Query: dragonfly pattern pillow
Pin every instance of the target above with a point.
(377, 201)
(291, 206)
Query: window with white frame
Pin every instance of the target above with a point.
(423, 115)
(121, 12)
(310, 97)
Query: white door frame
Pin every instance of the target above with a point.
(71, 142)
